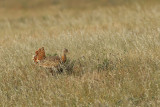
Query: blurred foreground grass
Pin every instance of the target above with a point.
(115, 48)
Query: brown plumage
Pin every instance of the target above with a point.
(49, 62)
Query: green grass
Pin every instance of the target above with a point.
(114, 51)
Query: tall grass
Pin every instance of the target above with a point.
(115, 50)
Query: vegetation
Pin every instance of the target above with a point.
(113, 55)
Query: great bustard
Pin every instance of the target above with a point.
(49, 62)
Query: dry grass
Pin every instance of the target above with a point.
(115, 48)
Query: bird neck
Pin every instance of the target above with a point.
(63, 57)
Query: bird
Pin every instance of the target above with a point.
(50, 62)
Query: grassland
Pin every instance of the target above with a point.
(115, 48)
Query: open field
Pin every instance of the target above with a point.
(115, 48)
